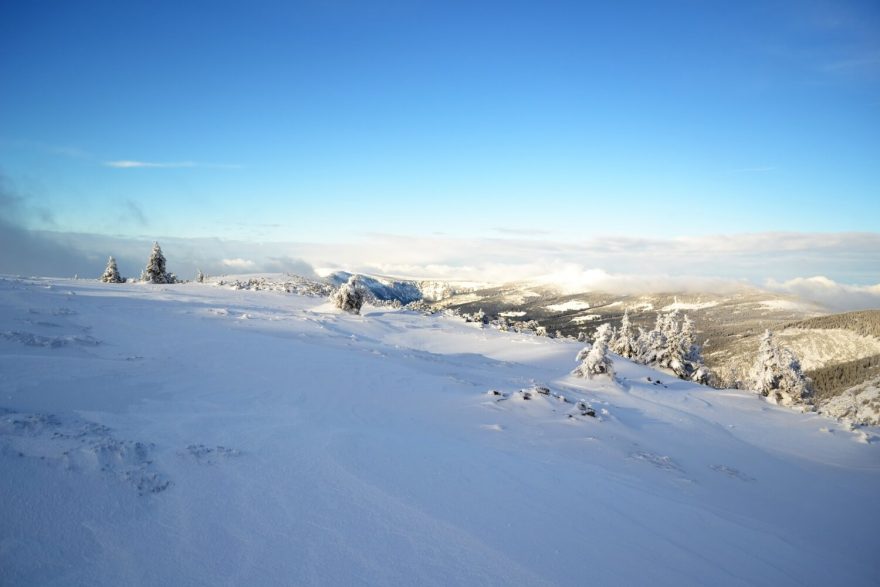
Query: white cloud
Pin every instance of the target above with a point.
(835, 296)
(134, 164)
(129, 164)
(238, 263)
(574, 278)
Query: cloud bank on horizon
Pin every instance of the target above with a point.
(837, 270)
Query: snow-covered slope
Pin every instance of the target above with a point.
(195, 434)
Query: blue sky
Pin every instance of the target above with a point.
(316, 121)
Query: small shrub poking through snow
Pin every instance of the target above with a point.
(585, 409)
(349, 296)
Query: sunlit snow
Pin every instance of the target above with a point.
(200, 435)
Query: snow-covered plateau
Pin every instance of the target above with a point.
(197, 434)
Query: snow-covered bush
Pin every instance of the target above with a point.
(479, 317)
(777, 375)
(155, 272)
(111, 273)
(594, 360)
(200, 277)
(349, 296)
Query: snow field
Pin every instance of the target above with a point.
(193, 434)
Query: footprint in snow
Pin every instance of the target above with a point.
(731, 472)
(83, 447)
(207, 455)
(663, 462)
(54, 342)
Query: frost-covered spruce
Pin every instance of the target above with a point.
(200, 277)
(625, 344)
(155, 272)
(698, 372)
(349, 296)
(777, 374)
(594, 361)
(795, 386)
(669, 324)
(111, 273)
(688, 341)
(604, 333)
(676, 351)
(653, 351)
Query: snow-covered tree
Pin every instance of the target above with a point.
(625, 344)
(767, 370)
(349, 296)
(679, 340)
(671, 345)
(594, 361)
(111, 273)
(688, 340)
(653, 349)
(698, 371)
(669, 323)
(777, 374)
(603, 332)
(795, 387)
(155, 272)
(200, 277)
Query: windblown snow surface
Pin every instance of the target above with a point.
(198, 435)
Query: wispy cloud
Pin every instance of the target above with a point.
(131, 164)
(125, 164)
